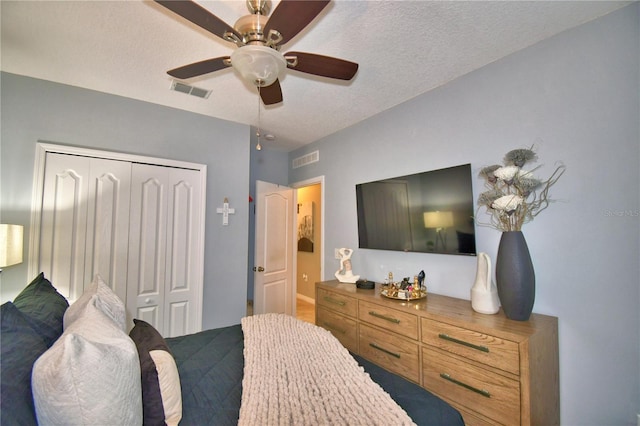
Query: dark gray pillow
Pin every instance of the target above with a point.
(147, 339)
(20, 345)
(44, 308)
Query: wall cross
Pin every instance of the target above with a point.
(225, 210)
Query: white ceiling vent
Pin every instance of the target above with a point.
(305, 160)
(190, 90)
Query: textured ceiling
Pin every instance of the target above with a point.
(404, 48)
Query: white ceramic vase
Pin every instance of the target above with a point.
(484, 294)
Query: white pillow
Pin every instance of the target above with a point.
(170, 389)
(91, 375)
(106, 300)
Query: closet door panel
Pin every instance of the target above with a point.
(148, 314)
(108, 223)
(178, 318)
(183, 285)
(147, 243)
(64, 222)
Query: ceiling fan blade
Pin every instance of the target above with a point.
(324, 66)
(200, 16)
(271, 94)
(200, 68)
(291, 16)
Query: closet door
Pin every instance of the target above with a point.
(183, 300)
(147, 244)
(84, 223)
(108, 223)
(136, 221)
(64, 222)
(165, 271)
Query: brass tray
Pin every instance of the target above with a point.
(393, 294)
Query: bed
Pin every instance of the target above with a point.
(219, 374)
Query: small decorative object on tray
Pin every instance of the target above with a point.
(404, 290)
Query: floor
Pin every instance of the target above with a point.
(305, 311)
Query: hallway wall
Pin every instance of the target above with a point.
(308, 269)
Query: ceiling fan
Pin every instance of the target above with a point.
(259, 39)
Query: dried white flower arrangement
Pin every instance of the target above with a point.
(515, 196)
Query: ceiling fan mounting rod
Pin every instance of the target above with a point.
(261, 7)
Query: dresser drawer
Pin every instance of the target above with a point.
(479, 390)
(337, 302)
(391, 352)
(343, 328)
(471, 419)
(394, 320)
(489, 350)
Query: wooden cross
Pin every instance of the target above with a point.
(225, 211)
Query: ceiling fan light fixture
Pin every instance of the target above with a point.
(259, 65)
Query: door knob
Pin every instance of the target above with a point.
(148, 300)
(259, 269)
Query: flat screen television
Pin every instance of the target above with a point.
(429, 212)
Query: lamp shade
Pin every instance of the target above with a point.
(10, 245)
(260, 65)
(438, 219)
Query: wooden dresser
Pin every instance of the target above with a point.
(492, 369)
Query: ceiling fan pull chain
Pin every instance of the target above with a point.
(258, 146)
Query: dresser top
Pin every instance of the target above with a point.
(449, 309)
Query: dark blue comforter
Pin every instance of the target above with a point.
(211, 364)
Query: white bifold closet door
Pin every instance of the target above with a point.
(137, 225)
(164, 235)
(85, 223)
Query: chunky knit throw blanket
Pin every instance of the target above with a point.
(296, 373)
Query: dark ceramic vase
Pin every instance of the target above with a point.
(515, 277)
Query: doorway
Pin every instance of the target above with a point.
(310, 237)
(310, 270)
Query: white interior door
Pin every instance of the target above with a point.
(165, 236)
(183, 301)
(274, 289)
(64, 223)
(147, 244)
(107, 243)
(84, 228)
(137, 221)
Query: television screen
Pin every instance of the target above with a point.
(429, 212)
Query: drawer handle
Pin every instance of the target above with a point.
(482, 392)
(384, 317)
(380, 348)
(339, 330)
(462, 342)
(334, 301)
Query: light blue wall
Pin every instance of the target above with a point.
(34, 110)
(576, 96)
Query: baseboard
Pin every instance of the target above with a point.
(305, 298)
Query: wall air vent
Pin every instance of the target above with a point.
(190, 90)
(305, 160)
